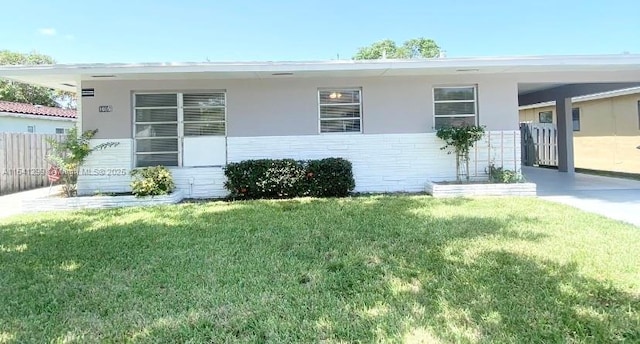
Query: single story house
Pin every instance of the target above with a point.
(27, 118)
(606, 128)
(381, 115)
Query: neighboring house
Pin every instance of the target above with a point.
(606, 129)
(381, 115)
(27, 118)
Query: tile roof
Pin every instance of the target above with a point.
(37, 110)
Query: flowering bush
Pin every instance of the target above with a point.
(152, 181)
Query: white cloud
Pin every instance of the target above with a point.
(47, 31)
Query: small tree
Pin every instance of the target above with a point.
(69, 154)
(460, 139)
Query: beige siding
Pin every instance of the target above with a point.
(532, 115)
(273, 107)
(609, 133)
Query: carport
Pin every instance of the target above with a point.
(562, 86)
(612, 197)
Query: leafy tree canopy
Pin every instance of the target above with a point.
(413, 48)
(23, 93)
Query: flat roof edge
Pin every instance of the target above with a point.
(337, 65)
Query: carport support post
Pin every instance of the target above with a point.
(565, 135)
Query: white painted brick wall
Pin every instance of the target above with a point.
(194, 182)
(111, 160)
(457, 190)
(199, 182)
(381, 162)
(384, 162)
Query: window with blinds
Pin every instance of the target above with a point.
(204, 114)
(163, 119)
(455, 106)
(340, 110)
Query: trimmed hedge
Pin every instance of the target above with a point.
(286, 178)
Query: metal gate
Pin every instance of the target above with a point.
(539, 144)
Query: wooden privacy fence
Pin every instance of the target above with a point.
(23, 163)
(539, 144)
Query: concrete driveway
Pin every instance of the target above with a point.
(12, 204)
(616, 198)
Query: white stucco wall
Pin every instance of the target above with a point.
(13, 124)
(289, 106)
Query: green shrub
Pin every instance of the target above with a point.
(280, 178)
(330, 177)
(286, 178)
(501, 175)
(152, 181)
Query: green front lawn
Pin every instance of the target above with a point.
(377, 268)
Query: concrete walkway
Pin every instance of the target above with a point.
(12, 204)
(615, 198)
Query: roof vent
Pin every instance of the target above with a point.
(282, 73)
(103, 76)
(38, 106)
(68, 85)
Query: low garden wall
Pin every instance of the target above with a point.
(480, 189)
(97, 202)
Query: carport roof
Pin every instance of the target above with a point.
(67, 76)
(578, 99)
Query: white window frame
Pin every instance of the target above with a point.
(177, 122)
(180, 121)
(573, 120)
(475, 103)
(338, 89)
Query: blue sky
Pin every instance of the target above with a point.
(243, 30)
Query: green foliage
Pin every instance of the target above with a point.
(460, 139)
(379, 49)
(502, 175)
(13, 91)
(421, 48)
(286, 178)
(413, 48)
(330, 177)
(152, 181)
(69, 154)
